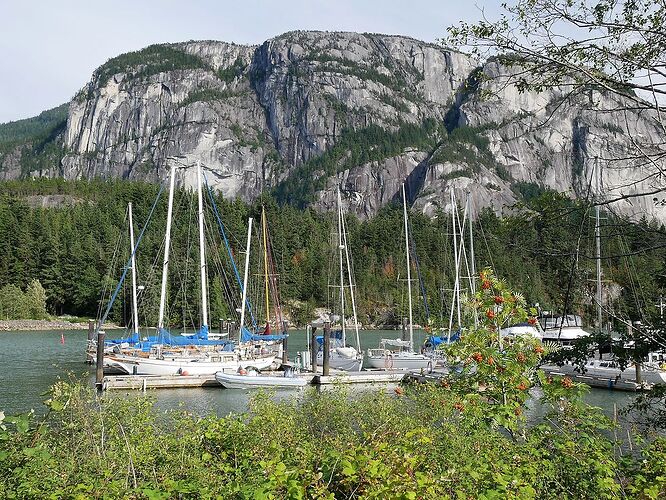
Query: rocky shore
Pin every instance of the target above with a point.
(14, 325)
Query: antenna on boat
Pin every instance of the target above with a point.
(167, 242)
(135, 313)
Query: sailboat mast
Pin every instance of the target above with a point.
(167, 244)
(471, 245)
(349, 274)
(597, 236)
(247, 267)
(135, 313)
(409, 271)
(202, 256)
(342, 275)
(264, 232)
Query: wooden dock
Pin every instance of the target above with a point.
(362, 377)
(144, 382)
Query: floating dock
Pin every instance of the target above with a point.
(144, 382)
(362, 377)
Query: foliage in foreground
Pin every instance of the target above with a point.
(467, 437)
(319, 445)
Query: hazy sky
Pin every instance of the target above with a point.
(48, 49)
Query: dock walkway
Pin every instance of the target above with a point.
(143, 382)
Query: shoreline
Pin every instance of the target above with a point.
(31, 325)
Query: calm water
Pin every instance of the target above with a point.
(31, 361)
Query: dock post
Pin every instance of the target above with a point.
(99, 369)
(91, 329)
(404, 329)
(327, 349)
(313, 348)
(637, 361)
(285, 354)
(221, 326)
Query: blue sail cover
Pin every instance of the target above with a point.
(435, 340)
(132, 339)
(247, 336)
(199, 338)
(164, 337)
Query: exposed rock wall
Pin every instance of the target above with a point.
(259, 116)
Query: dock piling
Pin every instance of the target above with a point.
(99, 369)
(285, 354)
(327, 349)
(313, 349)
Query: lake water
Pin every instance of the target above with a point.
(30, 362)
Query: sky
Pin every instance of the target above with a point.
(49, 49)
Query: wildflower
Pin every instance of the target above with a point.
(490, 360)
(499, 299)
(490, 314)
(521, 357)
(477, 357)
(539, 350)
(532, 320)
(567, 382)
(522, 386)
(459, 406)
(518, 411)
(485, 284)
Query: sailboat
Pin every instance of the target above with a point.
(566, 330)
(397, 354)
(196, 355)
(342, 356)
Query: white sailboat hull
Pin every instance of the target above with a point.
(135, 365)
(342, 359)
(607, 370)
(235, 381)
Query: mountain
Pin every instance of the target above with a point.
(306, 111)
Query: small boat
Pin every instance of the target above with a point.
(564, 330)
(653, 370)
(251, 379)
(522, 330)
(396, 354)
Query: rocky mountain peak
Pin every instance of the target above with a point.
(307, 111)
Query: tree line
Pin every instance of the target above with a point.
(545, 248)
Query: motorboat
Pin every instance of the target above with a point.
(252, 379)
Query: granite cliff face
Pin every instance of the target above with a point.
(307, 111)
